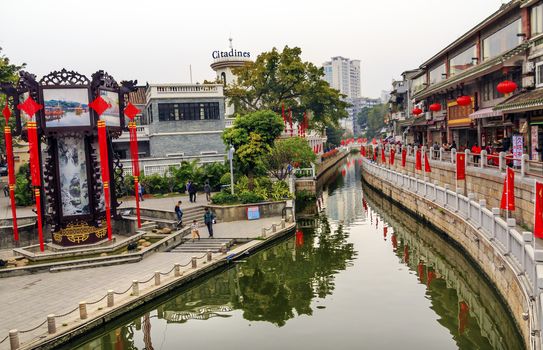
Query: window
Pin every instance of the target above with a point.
(503, 40)
(419, 83)
(539, 74)
(489, 89)
(463, 61)
(537, 19)
(188, 111)
(438, 74)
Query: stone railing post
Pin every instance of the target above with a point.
(524, 166)
(209, 255)
(51, 325)
(135, 288)
(441, 150)
(453, 155)
(263, 232)
(82, 310)
(501, 161)
(511, 223)
(177, 270)
(283, 223)
(14, 339)
(527, 238)
(110, 298)
(409, 149)
(496, 214)
(471, 197)
(456, 193)
(157, 278)
(223, 248)
(194, 261)
(482, 205)
(467, 157)
(436, 184)
(483, 160)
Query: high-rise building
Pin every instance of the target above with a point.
(343, 74)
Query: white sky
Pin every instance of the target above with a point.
(156, 40)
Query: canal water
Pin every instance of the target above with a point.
(361, 275)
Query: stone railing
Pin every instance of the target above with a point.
(517, 248)
(485, 175)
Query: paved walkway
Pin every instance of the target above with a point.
(25, 301)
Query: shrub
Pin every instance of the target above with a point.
(279, 191)
(246, 197)
(305, 195)
(23, 194)
(224, 198)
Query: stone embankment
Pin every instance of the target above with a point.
(505, 254)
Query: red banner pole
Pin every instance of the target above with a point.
(104, 164)
(38, 209)
(135, 166)
(11, 180)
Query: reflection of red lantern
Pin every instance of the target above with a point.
(343, 172)
(299, 238)
(435, 107)
(417, 111)
(463, 100)
(463, 317)
(506, 87)
(394, 242)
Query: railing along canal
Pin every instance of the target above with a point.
(526, 260)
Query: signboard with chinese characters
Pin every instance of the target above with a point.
(518, 144)
(253, 213)
(534, 135)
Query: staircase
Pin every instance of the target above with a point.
(194, 213)
(203, 245)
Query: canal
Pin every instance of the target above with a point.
(363, 274)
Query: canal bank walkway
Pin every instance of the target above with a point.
(25, 301)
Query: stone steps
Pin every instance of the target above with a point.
(202, 245)
(86, 265)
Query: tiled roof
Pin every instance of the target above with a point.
(138, 97)
(523, 101)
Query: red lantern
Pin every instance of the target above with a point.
(417, 111)
(506, 87)
(463, 100)
(435, 107)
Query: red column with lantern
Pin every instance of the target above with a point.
(131, 111)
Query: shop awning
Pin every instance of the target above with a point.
(462, 122)
(485, 113)
(420, 121)
(527, 101)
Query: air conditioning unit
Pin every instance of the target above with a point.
(529, 67)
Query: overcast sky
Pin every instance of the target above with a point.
(156, 40)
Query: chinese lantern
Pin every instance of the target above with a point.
(506, 87)
(435, 107)
(463, 100)
(417, 111)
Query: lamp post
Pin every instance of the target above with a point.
(231, 151)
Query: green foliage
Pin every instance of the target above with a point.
(23, 193)
(282, 77)
(224, 198)
(291, 150)
(214, 172)
(305, 195)
(225, 179)
(252, 136)
(279, 191)
(373, 119)
(8, 73)
(247, 197)
(334, 136)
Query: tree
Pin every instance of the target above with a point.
(8, 74)
(277, 78)
(376, 120)
(252, 136)
(290, 150)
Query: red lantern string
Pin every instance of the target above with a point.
(131, 111)
(283, 115)
(290, 122)
(11, 172)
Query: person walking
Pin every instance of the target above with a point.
(187, 188)
(194, 230)
(209, 219)
(453, 145)
(140, 191)
(192, 192)
(179, 214)
(207, 190)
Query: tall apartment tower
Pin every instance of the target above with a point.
(343, 74)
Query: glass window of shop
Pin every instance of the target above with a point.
(537, 19)
(501, 41)
(438, 74)
(418, 84)
(463, 61)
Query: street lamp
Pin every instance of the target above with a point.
(231, 151)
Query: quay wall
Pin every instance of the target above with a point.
(518, 285)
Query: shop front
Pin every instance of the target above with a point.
(460, 127)
(490, 127)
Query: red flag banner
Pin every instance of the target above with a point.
(404, 157)
(363, 151)
(131, 111)
(374, 155)
(508, 195)
(383, 157)
(418, 160)
(460, 166)
(538, 220)
(392, 156)
(427, 164)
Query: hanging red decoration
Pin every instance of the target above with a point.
(30, 107)
(463, 100)
(290, 122)
(100, 106)
(11, 171)
(435, 107)
(417, 111)
(131, 111)
(283, 115)
(506, 87)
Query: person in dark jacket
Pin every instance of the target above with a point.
(209, 219)
(192, 192)
(179, 214)
(207, 190)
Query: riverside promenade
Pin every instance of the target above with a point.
(26, 301)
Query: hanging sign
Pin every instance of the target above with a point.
(253, 213)
(518, 143)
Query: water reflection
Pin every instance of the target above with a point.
(360, 274)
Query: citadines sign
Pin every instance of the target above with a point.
(231, 53)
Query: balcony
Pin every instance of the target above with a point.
(183, 90)
(398, 116)
(143, 134)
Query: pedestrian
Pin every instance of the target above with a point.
(194, 230)
(192, 192)
(476, 150)
(6, 190)
(209, 219)
(207, 190)
(187, 187)
(140, 191)
(179, 214)
(453, 145)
